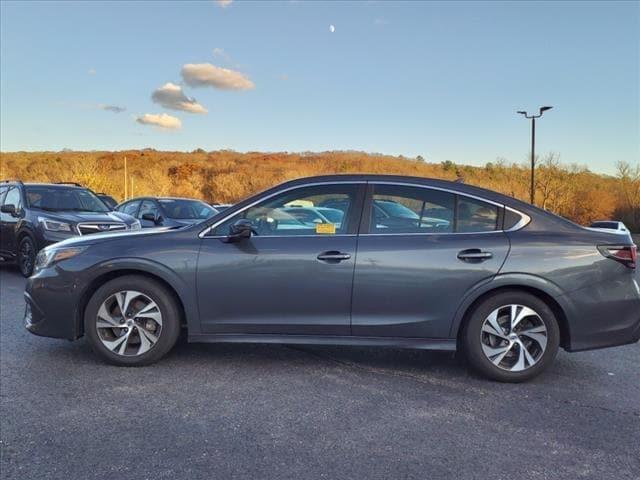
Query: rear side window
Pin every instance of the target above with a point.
(397, 209)
(476, 216)
(401, 209)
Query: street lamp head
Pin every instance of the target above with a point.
(544, 109)
(521, 112)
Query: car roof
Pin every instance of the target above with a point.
(163, 198)
(430, 182)
(53, 185)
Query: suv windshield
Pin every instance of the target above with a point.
(187, 209)
(63, 199)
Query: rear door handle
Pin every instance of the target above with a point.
(474, 255)
(333, 256)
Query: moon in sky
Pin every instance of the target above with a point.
(332, 28)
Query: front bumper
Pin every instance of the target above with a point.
(52, 307)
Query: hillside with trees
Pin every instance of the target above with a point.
(227, 176)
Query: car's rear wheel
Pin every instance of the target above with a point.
(132, 321)
(26, 256)
(511, 336)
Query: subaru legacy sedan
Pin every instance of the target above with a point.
(409, 262)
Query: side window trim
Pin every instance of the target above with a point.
(353, 221)
(366, 215)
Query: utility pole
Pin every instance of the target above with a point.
(131, 191)
(532, 191)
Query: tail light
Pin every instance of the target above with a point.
(625, 254)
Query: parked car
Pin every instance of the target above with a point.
(34, 215)
(108, 200)
(168, 212)
(504, 282)
(611, 225)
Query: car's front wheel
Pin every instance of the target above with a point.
(511, 336)
(132, 321)
(26, 256)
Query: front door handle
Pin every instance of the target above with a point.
(333, 256)
(474, 255)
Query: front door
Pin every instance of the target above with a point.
(420, 250)
(9, 222)
(294, 275)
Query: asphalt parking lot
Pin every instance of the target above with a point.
(253, 411)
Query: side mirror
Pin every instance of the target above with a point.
(150, 217)
(9, 208)
(240, 230)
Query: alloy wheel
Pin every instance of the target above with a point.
(129, 323)
(514, 337)
(26, 257)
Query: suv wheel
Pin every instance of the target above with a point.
(26, 256)
(132, 321)
(511, 337)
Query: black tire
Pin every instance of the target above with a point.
(26, 256)
(158, 293)
(472, 336)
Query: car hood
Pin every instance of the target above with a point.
(79, 241)
(82, 217)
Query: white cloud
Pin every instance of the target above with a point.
(161, 120)
(91, 71)
(172, 97)
(224, 3)
(207, 75)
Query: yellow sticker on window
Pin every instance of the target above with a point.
(326, 228)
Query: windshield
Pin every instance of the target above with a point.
(57, 199)
(187, 209)
(613, 225)
(395, 209)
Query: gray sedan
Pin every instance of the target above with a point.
(442, 266)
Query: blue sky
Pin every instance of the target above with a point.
(441, 80)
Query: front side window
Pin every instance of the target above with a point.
(129, 208)
(317, 210)
(402, 209)
(179, 209)
(64, 199)
(13, 198)
(149, 206)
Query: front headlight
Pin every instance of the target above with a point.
(54, 225)
(135, 225)
(50, 256)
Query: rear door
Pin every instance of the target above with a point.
(419, 251)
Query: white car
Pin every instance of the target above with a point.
(610, 225)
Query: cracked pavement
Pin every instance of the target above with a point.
(269, 411)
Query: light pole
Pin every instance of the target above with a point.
(533, 148)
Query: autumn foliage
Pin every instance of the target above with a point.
(228, 176)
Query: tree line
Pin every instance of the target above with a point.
(225, 176)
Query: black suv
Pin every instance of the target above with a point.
(34, 215)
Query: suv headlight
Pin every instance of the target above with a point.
(52, 255)
(135, 225)
(54, 225)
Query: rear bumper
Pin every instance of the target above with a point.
(606, 315)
